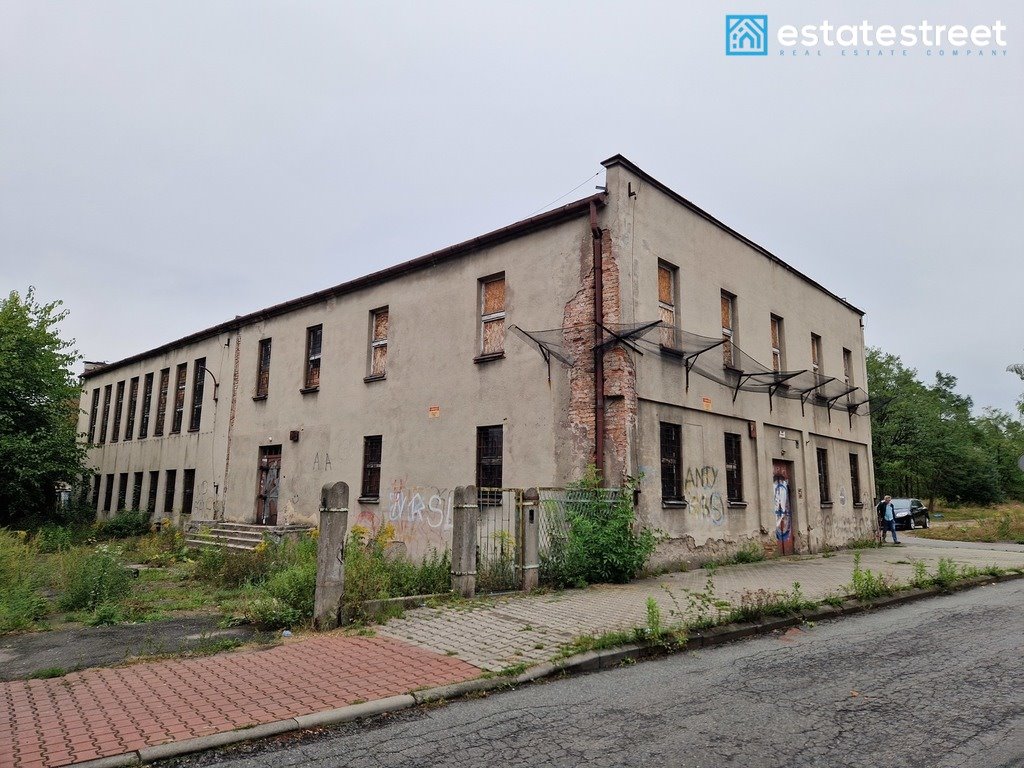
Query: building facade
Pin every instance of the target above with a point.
(629, 329)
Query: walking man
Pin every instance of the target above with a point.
(887, 518)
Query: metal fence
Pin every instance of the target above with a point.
(558, 507)
(499, 545)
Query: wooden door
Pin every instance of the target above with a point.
(781, 474)
(269, 485)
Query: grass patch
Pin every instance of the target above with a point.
(998, 523)
(47, 673)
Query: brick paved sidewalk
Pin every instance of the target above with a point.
(101, 712)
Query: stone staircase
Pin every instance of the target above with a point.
(237, 536)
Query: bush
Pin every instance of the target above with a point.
(54, 538)
(162, 548)
(867, 584)
(124, 524)
(21, 604)
(295, 587)
(95, 578)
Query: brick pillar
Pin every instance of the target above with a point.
(465, 518)
(330, 556)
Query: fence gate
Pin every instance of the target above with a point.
(499, 543)
(557, 507)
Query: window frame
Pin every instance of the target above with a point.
(855, 479)
(848, 367)
(153, 492)
(734, 468)
(115, 430)
(122, 492)
(97, 482)
(313, 359)
(133, 406)
(170, 490)
(373, 451)
(816, 364)
(108, 492)
(775, 330)
(824, 490)
(487, 318)
(147, 404)
(729, 331)
(669, 336)
(378, 343)
(180, 386)
(137, 480)
(195, 420)
(108, 392)
(94, 410)
(486, 461)
(264, 353)
(188, 491)
(671, 435)
(163, 396)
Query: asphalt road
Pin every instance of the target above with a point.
(938, 683)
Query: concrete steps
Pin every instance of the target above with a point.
(237, 537)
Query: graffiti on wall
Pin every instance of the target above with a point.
(420, 515)
(700, 489)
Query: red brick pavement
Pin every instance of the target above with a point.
(101, 712)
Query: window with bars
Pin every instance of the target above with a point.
(668, 289)
(816, 354)
(263, 369)
(855, 478)
(379, 343)
(170, 480)
(198, 382)
(671, 462)
(733, 467)
(154, 482)
(778, 363)
(492, 316)
(147, 402)
(161, 402)
(133, 404)
(728, 329)
(372, 447)
(93, 413)
(179, 397)
(823, 485)
(188, 486)
(137, 490)
(108, 493)
(105, 420)
(848, 367)
(314, 347)
(489, 464)
(122, 491)
(118, 407)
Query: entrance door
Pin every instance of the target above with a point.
(781, 474)
(269, 485)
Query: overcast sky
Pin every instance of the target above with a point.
(165, 166)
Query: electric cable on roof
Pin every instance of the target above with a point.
(548, 205)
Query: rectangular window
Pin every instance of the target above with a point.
(161, 402)
(122, 491)
(671, 462)
(118, 407)
(107, 391)
(855, 478)
(848, 367)
(492, 315)
(96, 492)
(108, 493)
(198, 380)
(93, 412)
(170, 478)
(778, 363)
(823, 485)
(816, 354)
(147, 402)
(263, 369)
(188, 485)
(667, 289)
(154, 481)
(179, 397)
(137, 491)
(733, 467)
(488, 464)
(314, 346)
(379, 343)
(728, 329)
(371, 467)
(133, 403)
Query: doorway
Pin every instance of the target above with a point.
(269, 485)
(782, 473)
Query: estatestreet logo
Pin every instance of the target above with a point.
(747, 35)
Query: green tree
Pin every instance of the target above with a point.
(1018, 368)
(39, 407)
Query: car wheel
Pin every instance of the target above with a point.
(925, 523)
(910, 523)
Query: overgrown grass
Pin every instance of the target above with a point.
(998, 523)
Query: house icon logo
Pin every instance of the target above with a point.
(746, 35)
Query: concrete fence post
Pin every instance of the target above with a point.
(330, 556)
(465, 518)
(530, 528)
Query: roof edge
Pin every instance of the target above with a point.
(525, 226)
(632, 167)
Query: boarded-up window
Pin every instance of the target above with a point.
(118, 407)
(848, 367)
(179, 397)
(777, 362)
(671, 462)
(314, 346)
(161, 402)
(733, 467)
(667, 303)
(728, 329)
(489, 445)
(816, 353)
(379, 342)
(147, 403)
(263, 369)
(372, 445)
(93, 412)
(198, 380)
(492, 315)
(133, 403)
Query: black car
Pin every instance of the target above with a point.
(910, 513)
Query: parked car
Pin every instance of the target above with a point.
(910, 513)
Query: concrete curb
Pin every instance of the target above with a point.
(589, 661)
